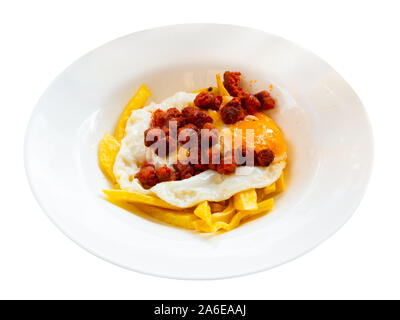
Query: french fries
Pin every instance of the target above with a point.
(216, 207)
(280, 183)
(109, 145)
(137, 102)
(264, 207)
(203, 211)
(107, 152)
(221, 88)
(136, 197)
(224, 216)
(217, 121)
(173, 217)
(246, 200)
(200, 218)
(270, 189)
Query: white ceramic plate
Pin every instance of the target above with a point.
(325, 124)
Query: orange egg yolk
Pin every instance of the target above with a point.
(267, 134)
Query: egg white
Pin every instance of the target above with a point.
(208, 185)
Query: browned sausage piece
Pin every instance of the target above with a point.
(250, 102)
(147, 175)
(214, 158)
(172, 113)
(184, 171)
(164, 146)
(265, 157)
(200, 167)
(187, 132)
(226, 168)
(207, 100)
(158, 118)
(165, 174)
(228, 164)
(204, 100)
(208, 136)
(152, 135)
(217, 102)
(195, 116)
(232, 82)
(196, 161)
(267, 102)
(232, 112)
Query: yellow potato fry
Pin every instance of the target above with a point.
(209, 89)
(226, 214)
(234, 222)
(137, 102)
(215, 115)
(220, 85)
(135, 197)
(203, 211)
(260, 194)
(202, 226)
(216, 207)
(183, 219)
(226, 99)
(176, 218)
(263, 207)
(245, 200)
(223, 216)
(270, 189)
(107, 152)
(280, 183)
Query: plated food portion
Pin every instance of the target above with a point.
(206, 160)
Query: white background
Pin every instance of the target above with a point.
(360, 39)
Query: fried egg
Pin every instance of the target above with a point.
(208, 185)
